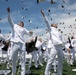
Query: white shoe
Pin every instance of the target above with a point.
(54, 70)
(36, 66)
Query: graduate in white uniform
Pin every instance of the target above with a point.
(2, 38)
(45, 51)
(49, 44)
(17, 39)
(49, 47)
(38, 45)
(57, 42)
(34, 52)
(9, 51)
(68, 54)
(73, 43)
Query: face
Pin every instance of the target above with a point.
(21, 24)
(54, 25)
(40, 39)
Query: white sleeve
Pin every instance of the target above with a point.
(62, 38)
(47, 23)
(10, 21)
(27, 32)
(3, 38)
(9, 37)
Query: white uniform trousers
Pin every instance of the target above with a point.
(18, 47)
(49, 49)
(54, 62)
(34, 56)
(74, 52)
(70, 58)
(45, 55)
(55, 50)
(40, 57)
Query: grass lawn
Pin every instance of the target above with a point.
(67, 69)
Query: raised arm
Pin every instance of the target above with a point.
(9, 18)
(46, 21)
(36, 39)
(28, 32)
(3, 38)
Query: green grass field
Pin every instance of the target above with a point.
(67, 69)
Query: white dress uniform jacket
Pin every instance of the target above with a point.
(54, 33)
(18, 45)
(18, 31)
(57, 41)
(73, 43)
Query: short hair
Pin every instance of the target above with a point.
(53, 25)
(22, 23)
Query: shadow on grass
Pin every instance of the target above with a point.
(64, 70)
(64, 74)
(33, 74)
(33, 68)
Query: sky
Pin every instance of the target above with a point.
(62, 12)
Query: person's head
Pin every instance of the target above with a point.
(72, 37)
(54, 25)
(40, 39)
(21, 24)
(32, 40)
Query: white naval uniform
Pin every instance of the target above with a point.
(73, 43)
(9, 51)
(67, 55)
(57, 42)
(18, 45)
(3, 39)
(39, 52)
(1, 43)
(34, 57)
(49, 43)
(45, 51)
(49, 47)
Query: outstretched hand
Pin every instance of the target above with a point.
(8, 10)
(31, 32)
(42, 13)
